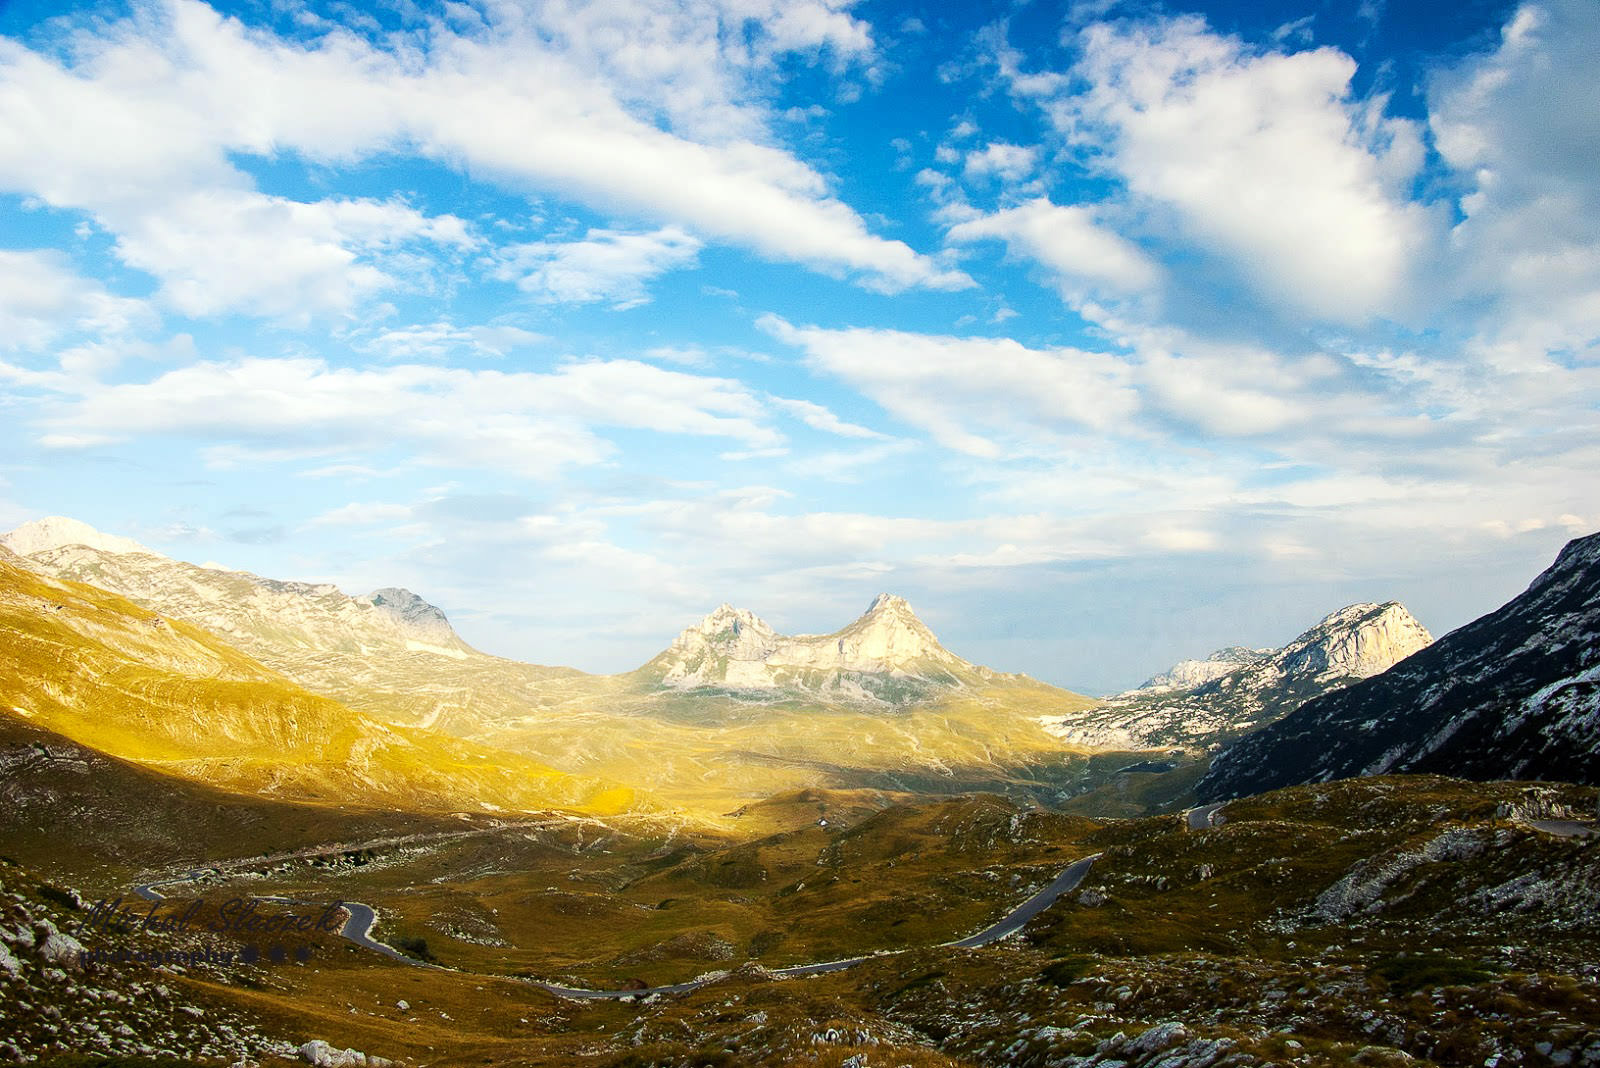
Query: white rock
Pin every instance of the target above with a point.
(322, 1055)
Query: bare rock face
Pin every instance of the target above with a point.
(414, 615)
(886, 652)
(1201, 703)
(1356, 642)
(1189, 674)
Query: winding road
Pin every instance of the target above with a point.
(360, 919)
(1206, 816)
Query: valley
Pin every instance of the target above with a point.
(843, 850)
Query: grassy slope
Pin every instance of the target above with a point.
(705, 751)
(106, 673)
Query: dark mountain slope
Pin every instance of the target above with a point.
(1513, 695)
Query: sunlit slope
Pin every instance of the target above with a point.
(710, 750)
(110, 675)
(415, 672)
(729, 712)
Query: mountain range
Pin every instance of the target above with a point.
(111, 675)
(728, 712)
(1512, 695)
(731, 710)
(1203, 703)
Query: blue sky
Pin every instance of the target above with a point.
(1105, 333)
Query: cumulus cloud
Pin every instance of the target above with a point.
(653, 109)
(975, 395)
(1267, 159)
(1008, 162)
(607, 265)
(43, 298)
(1518, 124)
(1069, 242)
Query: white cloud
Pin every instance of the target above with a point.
(443, 339)
(820, 418)
(1266, 159)
(1067, 240)
(1008, 162)
(1520, 127)
(971, 394)
(255, 411)
(649, 108)
(222, 250)
(42, 299)
(607, 265)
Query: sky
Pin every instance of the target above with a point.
(1106, 333)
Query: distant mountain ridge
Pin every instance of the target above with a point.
(1201, 703)
(1514, 694)
(730, 711)
(56, 531)
(115, 677)
(887, 654)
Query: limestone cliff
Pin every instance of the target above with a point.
(1201, 703)
(887, 654)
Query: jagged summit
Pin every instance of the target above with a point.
(1203, 702)
(1357, 641)
(57, 531)
(1187, 674)
(735, 649)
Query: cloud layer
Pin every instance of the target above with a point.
(581, 318)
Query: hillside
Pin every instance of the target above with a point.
(1513, 695)
(115, 678)
(1392, 922)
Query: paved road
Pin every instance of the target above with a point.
(1010, 924)
(361, 919)
(1019, 916)
(1205, 816)
(1565, 828)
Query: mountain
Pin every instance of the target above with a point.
(886, 655)
(54, 531)
(1201, 703)
(389, 654)
(114, 677)
(1513, 695)
(1190, 674)
(729, 712)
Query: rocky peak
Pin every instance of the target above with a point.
(888, 602)
(888, 635)
(736, 649)
(56, 531)
(1187, 674)
(412, 613)
(1511, 695)
(1358, 641)
(1235, 690)
(728, 631)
